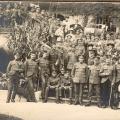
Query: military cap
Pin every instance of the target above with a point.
(18, 53)
(54, 72)
(115, 58)
(90, 45)
(81, 56)
(112, 44)
(71, 29)
(92, 51)
(97, 58)
(108, 35)
(32, 52)
(62, 69)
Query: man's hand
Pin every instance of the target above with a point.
(112, 83)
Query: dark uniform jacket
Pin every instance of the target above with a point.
(53, 57)
(31, 68)
(44, 66)
(94, 77)
(72, 59)
(53, 81)
(117, 73)
(107, 72)
(15, 68)
(80, 73)
(66, 82)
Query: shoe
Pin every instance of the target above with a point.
(114, 107)
(70, 102)
(44, 101)
(7, 101)
(57, 101)
(99, 105)
(103, 106)
(76, 103)
(80, 103)
(88, 104)
(13, 100)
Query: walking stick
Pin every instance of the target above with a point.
(65, 95)
(38, 84)
(111, 90)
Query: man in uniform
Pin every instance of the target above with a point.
(91, 57)
(44, 72)
(107, 75)
(72, 59)
(66, 85)
(80, 78)
(31, 72)
(94, 81)
(15, 70)
(53, 83)
(115, 83)
(53, 57)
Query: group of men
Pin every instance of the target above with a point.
(101, 80)
(58, 55)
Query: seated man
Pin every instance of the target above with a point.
(66, 84)
(53, 83)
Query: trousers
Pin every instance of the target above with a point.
(31, 89)
(94, 88)
(78, 89)
(12, 89)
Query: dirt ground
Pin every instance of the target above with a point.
(53, 111)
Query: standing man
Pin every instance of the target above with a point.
(72, 59)
(107, 75)
(94, 81)
(115, 85)
(80, 78)
(53, 57)
(44, 69)
(14, 72)
(31, 72)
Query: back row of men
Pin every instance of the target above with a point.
(103, 79)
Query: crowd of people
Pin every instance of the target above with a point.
(57, 54)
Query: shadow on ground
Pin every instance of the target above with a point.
(8, 117)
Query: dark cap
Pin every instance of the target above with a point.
(112, 44)
(81, 56)
(18, 53)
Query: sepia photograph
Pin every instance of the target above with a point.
(59, 60)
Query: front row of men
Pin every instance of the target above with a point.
(102, 79)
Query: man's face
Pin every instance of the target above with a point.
(81, 60)
(102, 37)
(90, 47)
(92, 37)
(17, 57)
(45, 55)
(108, 37)
(54, 74)
(66, 75)
(38, 10)
(108, 61)
(69, 37)
(118, 36)
(110, 47)
(91, 54)
(62, 71)
(33, 9)
(96, 61)
(79, 41)
(33, 56)
(77, 32)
